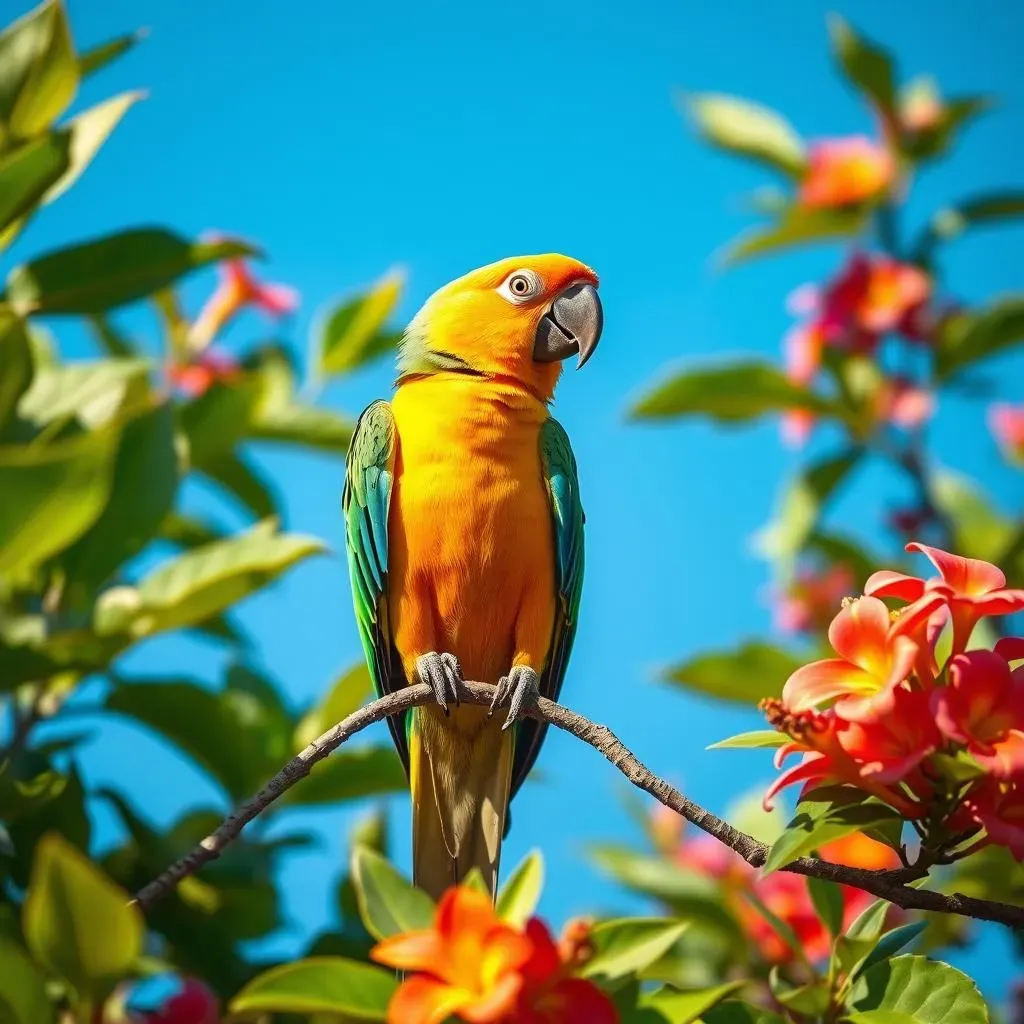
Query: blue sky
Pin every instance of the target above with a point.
(347, 139)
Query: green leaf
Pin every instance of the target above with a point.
(870, 922)
(325, 984)
(87, 132)
(746, 675)
(93, 393)
(952, 221)
(520, 895)
(892, 942)
(305, 425)
(109, 272)
(98, 57)
(881, 1017)
(218, 419)
(144, 486)
(628, 945)
(38, 71)
(748, 129)
(757, 740)
(797, 226)
(23, 998)
(827, 814)
(241, 480)
(27, 173)
(16, 359)
(675, 1007)
(979, 531)
(811, 1000)
(927, 991)
(345, 695)
(79, 924)
(236, 736)
(188, 531)
(388, 903)
(967, 338)
(727, 394)
(827, 899)
(353, 332)
(735, 1012)
(350, 774)
(54, 494)
(865, 64)
(204, 581)
(800, 509)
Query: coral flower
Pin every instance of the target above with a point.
(238, 289)
(871, 662)
(999, 807)
(468, 964)
(1007, 425)
(983, 707)
(201, 373)
(971, 588)
(902, 403)
(845, 171)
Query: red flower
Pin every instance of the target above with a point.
(201, 373)
(971, 588)
(1007, 425)
(809, 602)
(482, 969)
(872, 661)
(982, 707)
(194, 1004)
(845, 171)
(998, 806)
(238, 289)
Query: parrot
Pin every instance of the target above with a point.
(464, 535)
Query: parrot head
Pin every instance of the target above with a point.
(516, 319)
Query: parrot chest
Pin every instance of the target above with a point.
(471, 538)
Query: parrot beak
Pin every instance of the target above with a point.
(571, 326)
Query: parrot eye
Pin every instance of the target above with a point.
(521, 286)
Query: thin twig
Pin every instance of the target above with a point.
(889, 885)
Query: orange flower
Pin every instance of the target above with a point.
(972, 589)
(201, 373)
(238, 289)
(982, 707)
(485, 971)
(845, 171)
(468, 963)
(1007, 425)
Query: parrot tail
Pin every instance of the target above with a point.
(460, 791)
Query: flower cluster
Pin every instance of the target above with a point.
(872, 296)
(784, 895)
(484, 970)
(942, 743)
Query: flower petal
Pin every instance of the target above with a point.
(1011, 648)
(821, 681)
(423, 1000)
(859, 633)
(971, 577)
(575, 1001)
(886, 583)
(1007, 759)
(411, 951)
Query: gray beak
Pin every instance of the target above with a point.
(571, 326)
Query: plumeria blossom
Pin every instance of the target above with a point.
(806, 604)
(1007, 425)
(238, 289)
(473, 965)
(982, 707)
(846, 171)
(971, 589)
(998, 806)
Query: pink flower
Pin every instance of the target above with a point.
(810, 601)
(237, 290)
(971, 588)
(1007, 425)
(982, 707)
(998, 806)
(902, 403)
(842, 172)
(197, 376)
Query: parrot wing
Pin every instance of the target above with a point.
(559, 469)
(369, 472)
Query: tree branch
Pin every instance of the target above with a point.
(889, 885)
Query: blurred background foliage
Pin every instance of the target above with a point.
(101, 550)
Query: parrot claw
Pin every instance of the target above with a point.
(442, 673)
(520, 686)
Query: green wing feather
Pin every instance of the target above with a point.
(369, 472)
(559, 469)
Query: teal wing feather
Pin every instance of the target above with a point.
(369, 474)
(560, 477)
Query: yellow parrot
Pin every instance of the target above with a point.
(464, 534)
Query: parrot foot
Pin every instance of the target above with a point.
(442, 673)
(519, 687)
